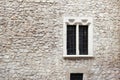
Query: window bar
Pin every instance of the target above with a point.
(77, 39)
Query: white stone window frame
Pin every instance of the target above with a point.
(83, 69)
(78, 21)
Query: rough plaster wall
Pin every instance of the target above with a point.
(31, 39)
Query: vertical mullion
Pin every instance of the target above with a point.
(77, 39)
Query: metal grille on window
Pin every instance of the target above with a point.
(83, 40)
(76, 76)
(71, 39)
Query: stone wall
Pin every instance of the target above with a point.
(31, 39)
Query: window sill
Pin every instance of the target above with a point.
(78, 56)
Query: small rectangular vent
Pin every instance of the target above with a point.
(76, 76)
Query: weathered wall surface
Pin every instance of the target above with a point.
(31, 39)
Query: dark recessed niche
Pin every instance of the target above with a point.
(71, 39)
(83, 38)
(76, 76)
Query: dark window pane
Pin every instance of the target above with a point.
(76, 76)
(83, 40)
(71, 39)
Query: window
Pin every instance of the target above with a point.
(83, 40)
(78, 38)
(71, 39)
(76, 76)
(80, 73)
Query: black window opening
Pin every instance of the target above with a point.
(83, 40)
(71, 39)
(76, 76)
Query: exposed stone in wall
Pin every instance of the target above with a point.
(38, 0)
(31, 39)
